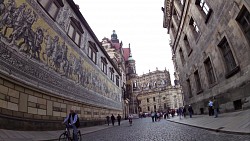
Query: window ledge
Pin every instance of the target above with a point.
(233, 72)
(212, 85)
(199, 92)
(190, 52)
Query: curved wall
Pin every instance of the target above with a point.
(43, 72)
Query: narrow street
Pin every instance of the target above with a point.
(145, 130)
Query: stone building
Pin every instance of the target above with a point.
(115, 50)
(51, 60)
(154, 92)
(211, 52)
(130, 76)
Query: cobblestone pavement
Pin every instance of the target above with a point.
(146, 130)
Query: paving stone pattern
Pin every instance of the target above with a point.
(146, 130)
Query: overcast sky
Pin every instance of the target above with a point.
(138, 22)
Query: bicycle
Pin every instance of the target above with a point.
(65, 136)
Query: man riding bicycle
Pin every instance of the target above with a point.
(71, 121)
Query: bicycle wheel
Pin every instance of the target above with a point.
(63, 137)
(79, 136)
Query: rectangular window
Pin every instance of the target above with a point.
(165, 105)
(154, 107)
(173, 30)
(77, 38)
(210, 71)
(244, 21)
(206, 10)
(153, 98)
(104, 66)
(111, 70)
(204, 6)
(147, 99)
(117, 81)
(182, 57)
(194, 28)
(182, 2)
(92, 53)
(71, 31)
(227, 54)
(187, 45)
(198, 81)
(189, 88)
(148, 108)
(74, 33)
(176, 16)
(52, 7)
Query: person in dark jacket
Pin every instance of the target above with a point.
(113, 119)
(190, 110)
(184, 111)
(215, 107)
(119, 119)
(108, 118)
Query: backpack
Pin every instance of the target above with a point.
(77, 124)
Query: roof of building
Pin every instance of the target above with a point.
(126, 53)
(75, 8)
(116, 45)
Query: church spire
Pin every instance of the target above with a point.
(114, 37)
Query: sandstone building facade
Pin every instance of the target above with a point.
(210, 46)
(50, 60)
(154, 92)
(115, 50)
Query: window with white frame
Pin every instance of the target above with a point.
(210, 71)
(194, 28)
(229, 61)
(104, 65)
(92, 51)
(75, 31)
(52, 7)
(203, 6)
(111, 70)
(243, 20)
(117, 80)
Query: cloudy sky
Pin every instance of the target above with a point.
(138, 22)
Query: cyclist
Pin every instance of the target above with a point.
(71, 120)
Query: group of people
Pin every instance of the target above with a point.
(156, 116)
(112, 118)
(181, 112)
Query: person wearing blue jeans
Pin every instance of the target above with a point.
(70, 121)
(216, 107)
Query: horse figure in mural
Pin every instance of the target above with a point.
(7, 15)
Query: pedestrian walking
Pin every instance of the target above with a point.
(190, 110)
(152, 116)
(216, 107)
(113, 119)
(107, 118)
(210, 108)
(180, 112)
(184, 111)
(119, 119)
(155, 116)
